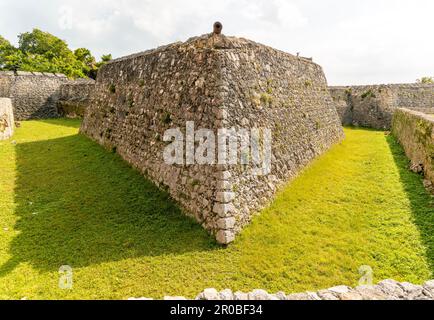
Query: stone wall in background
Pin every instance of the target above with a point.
(384, 290)
(373, 106)
(74, 97)
(415, 132)
(34, 95)
(7, 123)
(217, 82)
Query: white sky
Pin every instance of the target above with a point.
(356, 41)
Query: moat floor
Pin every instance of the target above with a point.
(66, 201)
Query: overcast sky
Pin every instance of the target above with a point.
(356, 42)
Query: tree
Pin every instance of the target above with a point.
(425, 80)
(43, 43)
(88, 62)
(44, 52)
(10, 57)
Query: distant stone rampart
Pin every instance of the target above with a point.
(34, 95)
(374, 105)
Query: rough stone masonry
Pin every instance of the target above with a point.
(74, 98)
(373, 106)
(34, 94)
(384, 290)
(415, 132)
(217, 82)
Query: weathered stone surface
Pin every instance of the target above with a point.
(415, 132)
(259, 294)
(298, 296)
(224, 209)
(371, 293)
(34, 95)
(374, 105)
(225, 197)
(241, 296)
(391, 288)
(412, 291)
(340, 289)
(352, 295)
(428, 289)
(209, 294)
(226, 294)
(327, 295)
(385, 290)
(225, 236)
(280, 296)
(226, 223)
(217, 82)
(74, 98)
(7, 123)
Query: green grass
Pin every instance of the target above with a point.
(64, 200)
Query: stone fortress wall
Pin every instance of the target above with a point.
(267, 88)
(217, 82)
(34, 95)
(415, 132)
(74, 97)
(7, 123)
(374, 105)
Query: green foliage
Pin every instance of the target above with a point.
(266, 98)
(90, 66)
(368, 94)
(425, 80)
(43, 52)
(66, 200)
(112, 88)
(10, 57)
(167, 118)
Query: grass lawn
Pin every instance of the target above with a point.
(64, 200)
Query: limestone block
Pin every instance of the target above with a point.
(209, 294)
(223, 209)
(225, 197)
(259, 295)
(226, 223)
(225, 236)
(7, 123)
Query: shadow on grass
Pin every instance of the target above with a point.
(80, 205)
(422, 204)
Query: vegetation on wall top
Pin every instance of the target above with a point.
(426, 80)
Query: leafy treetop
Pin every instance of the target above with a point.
(41, 51)
(426, 80)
